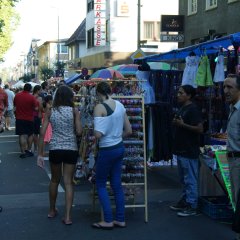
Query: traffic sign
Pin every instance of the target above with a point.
(137, 54)
(172, 38)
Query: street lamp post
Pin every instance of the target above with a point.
(58, 41)
(139, 24)
(34, 48)
(58, 44)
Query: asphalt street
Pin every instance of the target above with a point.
(24, 198)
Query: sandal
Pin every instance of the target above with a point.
(100, 226)
(119, 224)
(53, 214)
(66, 222)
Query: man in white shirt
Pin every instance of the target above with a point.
(9, 112)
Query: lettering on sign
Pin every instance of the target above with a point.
(99, 23)
(172, 38)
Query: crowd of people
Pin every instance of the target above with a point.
(42, 117)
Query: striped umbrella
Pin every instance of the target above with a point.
(107, 74)
(126, 69)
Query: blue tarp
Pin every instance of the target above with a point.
(208, 48)
(72, 78)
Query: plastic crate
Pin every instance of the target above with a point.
(216, 207)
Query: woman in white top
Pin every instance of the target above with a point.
(111, 125)
(63, 150)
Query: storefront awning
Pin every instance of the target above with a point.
(208, 48)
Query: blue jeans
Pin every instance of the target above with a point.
(109, 164)
(188, 172)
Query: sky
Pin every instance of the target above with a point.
(39, 20)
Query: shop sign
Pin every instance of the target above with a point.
(172, 23)
(172, 38)
(99, 23)
(123, 8)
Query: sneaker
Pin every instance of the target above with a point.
(189, 211)
(180, 205)
(29, 153)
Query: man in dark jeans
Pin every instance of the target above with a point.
(187, 127)
(231, 88)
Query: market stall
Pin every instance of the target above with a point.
(204, 66)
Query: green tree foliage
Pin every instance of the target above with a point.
(60, 69)
(9, 20)
(46, 73)
(11, 2)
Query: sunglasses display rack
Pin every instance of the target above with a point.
(134, 169)
(134, 174)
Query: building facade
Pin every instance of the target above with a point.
(208, 19)
(47, 55)
(114, 29)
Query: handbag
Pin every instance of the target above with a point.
(78, 138)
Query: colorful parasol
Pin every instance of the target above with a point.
(107, 74)
(126, 69)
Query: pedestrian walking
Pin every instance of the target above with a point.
(37, 114)
(63, 150)
(111, 125)
(3, 106)
(25, 104)
(187, 125)
(231, 88)
(47, 104)
(9, 112)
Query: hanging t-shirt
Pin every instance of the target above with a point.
(204, 76)
(219, 75)
(190, 71)
(149, 96)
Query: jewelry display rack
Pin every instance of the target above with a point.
(134, 175)
(134, 162)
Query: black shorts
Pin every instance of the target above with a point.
(36, 125)
(63, 156)
(24, 127)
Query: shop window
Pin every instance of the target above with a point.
(90, 38)
(192, 7)
(211, 4)
(90, 5)
(63, 48)
(152, 30)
